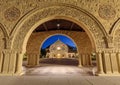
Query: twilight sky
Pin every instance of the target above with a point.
(54, 38)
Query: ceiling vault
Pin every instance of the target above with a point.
(71, 27)
(45, 26)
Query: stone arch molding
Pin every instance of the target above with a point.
(115, 27)
(115, 33)
(4, 30)
(5, 36)
(88, 22)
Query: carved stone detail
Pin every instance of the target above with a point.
(92, 26)
(12, 14)
(117, 39)
(1, 39)
(109, 41)
(8, 43)
(107, 12)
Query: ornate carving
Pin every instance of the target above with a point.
(117, 38)
(107, 12)
(12, 14)
(109, 40)
(60, 11)
(1, 39)
(8, 43)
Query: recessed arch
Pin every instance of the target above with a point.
(62, 35)
(50, 40)
(115, 27)
(88, 23)
(4, 36)
(115, 32)
(37, 38)
(4, 30)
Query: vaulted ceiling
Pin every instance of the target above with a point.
(58, 24)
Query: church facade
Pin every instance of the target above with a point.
(58, 50)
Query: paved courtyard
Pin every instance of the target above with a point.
(59, 70)
(59, 80)
(54, 74)
(58, 75)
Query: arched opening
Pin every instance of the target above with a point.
(35, 18)
(59, 49)
(85, 49)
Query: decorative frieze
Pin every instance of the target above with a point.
(107, 12)
(54, 11)
(12, 14)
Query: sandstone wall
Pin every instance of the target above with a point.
(80, 38)
(95, 7)
(2, 41)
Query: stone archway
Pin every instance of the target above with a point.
(80, 38)
(80, 17)
(3, 46)
(38, 16)
(64, 33)
(115, 34)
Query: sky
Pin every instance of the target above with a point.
(54, 38)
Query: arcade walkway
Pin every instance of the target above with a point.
(59, 67)
(59, 75)
(58, 70)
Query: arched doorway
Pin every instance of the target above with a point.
(58, 42)
(59, 49)
(25, 27)
(67, 28)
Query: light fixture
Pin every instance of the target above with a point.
(58, 48)
(58, 26)
(58, 54)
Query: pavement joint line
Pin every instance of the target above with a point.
(88, 81)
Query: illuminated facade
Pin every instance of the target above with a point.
(58, 50)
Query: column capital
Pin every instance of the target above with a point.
(9, 51)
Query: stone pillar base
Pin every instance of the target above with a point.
(79, 65)
(9, 74)
(108, 74)
(32, 65)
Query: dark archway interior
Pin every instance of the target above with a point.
(58, 24)
(55, 25)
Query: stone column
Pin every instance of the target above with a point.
(90, 59)
(33, 59)
(19, 60)
(1, 61)
(118, 58)
(30, 60)
(107, 63)
(83, 59)
(99, 63)
(37, 59)
(12, 62)
(6, 63)
(114, 63)
(87, 59)
(80, 61)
